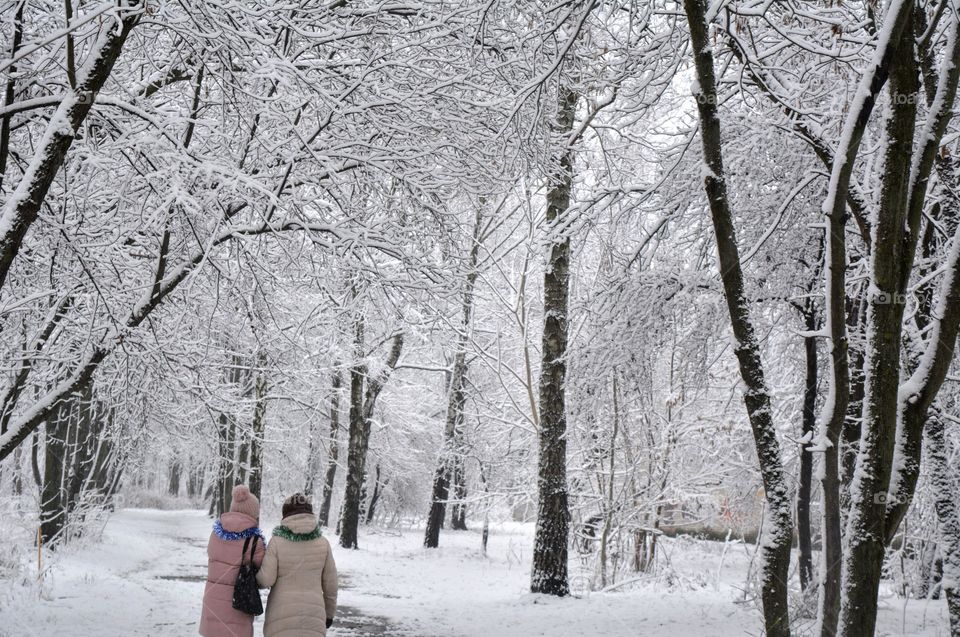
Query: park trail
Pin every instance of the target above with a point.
(145, 576)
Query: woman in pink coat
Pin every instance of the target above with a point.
(219, 618)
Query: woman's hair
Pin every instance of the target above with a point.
(297, 503)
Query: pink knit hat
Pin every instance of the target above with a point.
(245, 502)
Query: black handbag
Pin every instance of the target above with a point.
(246, 593)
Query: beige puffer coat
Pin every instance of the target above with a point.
(302, 578)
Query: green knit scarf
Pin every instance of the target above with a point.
(287, 534)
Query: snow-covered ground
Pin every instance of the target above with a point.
(145, 578)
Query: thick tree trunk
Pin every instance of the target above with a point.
(362, 402)
(331, 474)
(53, 509)
(106, 463)
(549, 574)
(23, 205)
(919, 393)
(841, 429)
(775, 548)
(356, 447)
(890, 262)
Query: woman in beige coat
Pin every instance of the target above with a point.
(301, 574)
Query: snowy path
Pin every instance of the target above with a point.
(144, 576)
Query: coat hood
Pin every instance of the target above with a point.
(234, 521)
(300, 523)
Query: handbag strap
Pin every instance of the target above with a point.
(253, 549)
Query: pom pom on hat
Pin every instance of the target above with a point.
(245, 502)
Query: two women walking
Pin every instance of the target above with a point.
(297, 566)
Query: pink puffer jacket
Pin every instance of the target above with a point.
(219, 619)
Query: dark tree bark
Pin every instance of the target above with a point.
(356, 446)
(18, 472)
(378, 487)
(456, 397)
(866, 537)
(331, 474)
(105, 467)
(458, 516)
(35, 459)
(362, 402)
(9, 91)
(836, 411)
(948, 514)
(549, 574)
(173, 478)
(194, 482)
(53, 510)
(24, 204)
(913, 415)
(226, 465)
(804, 541)
(874, 514)
(852, 423)
(257, 426)
(775, 549)
(76, 449)
(243, 461)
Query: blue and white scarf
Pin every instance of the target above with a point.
(232, 536)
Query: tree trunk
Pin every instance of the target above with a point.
(775, 548)
(257, 427)
(35, 459)
(225, 477)
(9, 92)
(356, 447)
(549, 573)
(362, 403)
(53, 510)
(948, 514)
(331, 475)
(243, 461)
(458, 516)
(890, 263)
(804, 542)
(18, 472)
(852, 423)
(194, 483)
(456, 397)
(608, 506)
(105, 464)
(378, 487)
(173, 482)
(939, 321)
